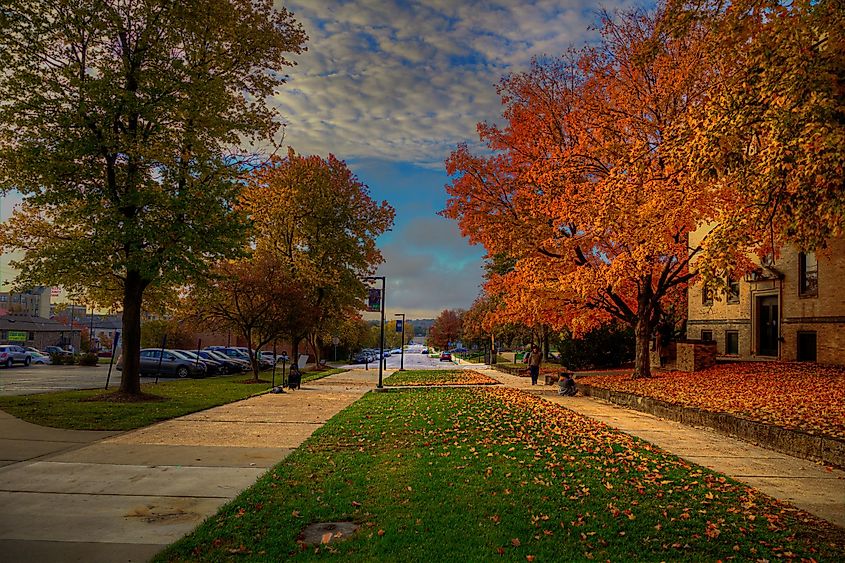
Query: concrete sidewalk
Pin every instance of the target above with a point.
(803, 484)
(94, 496)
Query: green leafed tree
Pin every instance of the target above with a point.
(125, 125)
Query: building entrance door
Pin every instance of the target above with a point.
(767, 325)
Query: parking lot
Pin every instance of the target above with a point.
(20, 380)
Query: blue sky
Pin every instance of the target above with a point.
(392, 87)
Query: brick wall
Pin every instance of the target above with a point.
(823, 313)
(694, 356)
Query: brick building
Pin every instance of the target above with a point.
(791, 308)
(27, 330)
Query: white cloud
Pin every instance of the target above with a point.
(429, 263)
(407, 81)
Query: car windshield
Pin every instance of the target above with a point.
(191, 355)
(217, 355)
(180, 355)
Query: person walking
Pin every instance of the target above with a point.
(534, 359)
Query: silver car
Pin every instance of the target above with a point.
(11, 354)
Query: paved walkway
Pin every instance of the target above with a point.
(801, 483)
(106, 496)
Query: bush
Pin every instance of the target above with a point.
(87, 359)
(62, 359)
(609, 346)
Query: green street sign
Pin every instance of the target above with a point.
(17, 336)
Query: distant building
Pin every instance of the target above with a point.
(789, 309)
(34, 302)
(28, 330)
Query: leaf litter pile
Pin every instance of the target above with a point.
(492, 474)
(799, 396)
(439, 377)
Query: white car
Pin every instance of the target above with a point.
(39, 358)
(11, 354)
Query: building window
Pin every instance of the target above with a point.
(808, 274)
(732, 342)
(733, 290)
(807, 345)
(707, 335)
(31, 336)
(707, 296)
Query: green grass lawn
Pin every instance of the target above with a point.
(69, 409)
(492, 474)
(439, 377)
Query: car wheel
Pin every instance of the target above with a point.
(182, 372)
(9, 363)
(27, 360)
(224, 370)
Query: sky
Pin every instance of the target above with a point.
(392, 87)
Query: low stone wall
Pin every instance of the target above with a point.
(792, 442)
(522, 372)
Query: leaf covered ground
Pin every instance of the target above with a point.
(495, 474)
(798, 396)
(439, 377)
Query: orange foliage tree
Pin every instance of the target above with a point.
(446, 329)
(584, 189)
(314, 216)
(770, 130)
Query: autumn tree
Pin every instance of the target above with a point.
(585, 189)
(126, 125)
(446, 330)
(319, 219)
(254, 297)
(770, 131)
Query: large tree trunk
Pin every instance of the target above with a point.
(133, 291)
(642, 335)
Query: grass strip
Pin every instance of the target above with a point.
(75, 409)
(439, 377)
(496, 474)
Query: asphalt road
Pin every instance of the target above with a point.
(413, 360)
(21, 380)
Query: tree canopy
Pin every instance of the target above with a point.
(126, 125)
(319, 220)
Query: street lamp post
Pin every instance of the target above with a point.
(381, 339)
(402, 343)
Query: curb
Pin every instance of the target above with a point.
(791, 442)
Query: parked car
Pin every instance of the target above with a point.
(445, 357)
(39, 358)
(56, 350)
(11, 354)
(168, 362)
(213, 366)
(361, 358)
(232, 365)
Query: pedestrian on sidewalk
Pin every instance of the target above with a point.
(534, 359)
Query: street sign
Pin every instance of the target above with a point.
(399, 326)
(335, 340)
(374, 301)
